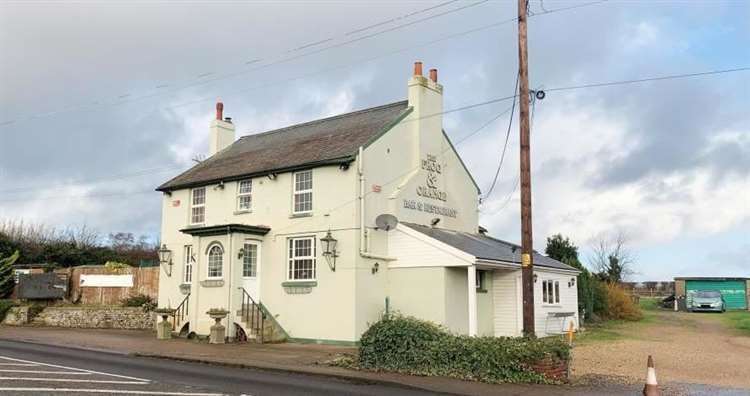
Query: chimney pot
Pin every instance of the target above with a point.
(219, 111)
(417, 69)
(433, 75)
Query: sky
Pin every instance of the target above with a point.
(102, 101)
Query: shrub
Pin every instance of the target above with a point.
(140, 300)
(35, 310)
(5, 306)
(620, 305)
(412, 346)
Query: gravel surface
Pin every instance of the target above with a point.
(688, 348)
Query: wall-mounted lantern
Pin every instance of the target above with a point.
(165, 259)
(572, 282)
(328, 243)
(535, 277)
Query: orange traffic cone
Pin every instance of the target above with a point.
(651, 388)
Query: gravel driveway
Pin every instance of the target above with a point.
(690, 348)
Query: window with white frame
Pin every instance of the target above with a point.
(198, 206)
(550, 292)
(302, 258)
(303, 185)
(245, 195)
(250, 260)
(187, 271)
(215, 261)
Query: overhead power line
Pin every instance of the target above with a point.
(505, 145)
(286, 80)
(201, 80)
(501, 99)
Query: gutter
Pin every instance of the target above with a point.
(364, 245)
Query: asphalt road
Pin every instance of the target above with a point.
(33, 369)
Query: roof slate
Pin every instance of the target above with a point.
(325, 141)
(484, 247)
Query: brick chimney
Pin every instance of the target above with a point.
(426, 97)
(221, 131)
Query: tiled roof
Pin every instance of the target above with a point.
(484, 247)
(326, 141)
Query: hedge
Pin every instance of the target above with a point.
(412, 346)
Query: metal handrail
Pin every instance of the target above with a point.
(252, 314)
(180, 313)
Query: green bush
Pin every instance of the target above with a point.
(140, 300)
(5, 306)
(412, 346)
(35, 310)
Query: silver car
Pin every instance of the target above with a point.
(707, 301)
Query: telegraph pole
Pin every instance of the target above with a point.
(527, 263)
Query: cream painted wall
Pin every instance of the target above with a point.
(457, 300)
(418, 292)
(486, 307)
(321, 314)
(344, 302)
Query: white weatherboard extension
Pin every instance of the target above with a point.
(260, 218)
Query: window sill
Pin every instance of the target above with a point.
(303, 214)
(250, 277)
(212, 283)
(552, 305)
(241, 212)
(481, 290)
(299, 284)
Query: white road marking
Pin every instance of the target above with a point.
(19, 364)
(115, 391)
(74, 369)
(44, 372)
(75, 380)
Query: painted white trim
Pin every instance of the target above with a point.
(314, 256)
(465, 258)
(472, 292)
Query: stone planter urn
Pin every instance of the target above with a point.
(218, 332)
(164, 328)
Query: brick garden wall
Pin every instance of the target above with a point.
(554, 369)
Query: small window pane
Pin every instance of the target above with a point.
(544, 292)
(250, 260)
(557, 292)
(215, 262)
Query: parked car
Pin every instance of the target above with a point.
(707, 301)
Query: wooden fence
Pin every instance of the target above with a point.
(145, 281)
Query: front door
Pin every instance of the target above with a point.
(251, 268)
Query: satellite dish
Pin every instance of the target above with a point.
(386, 221)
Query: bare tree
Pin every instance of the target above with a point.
(612, 259)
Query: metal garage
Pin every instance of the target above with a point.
(734, 290)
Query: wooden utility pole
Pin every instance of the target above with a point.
(527, 262)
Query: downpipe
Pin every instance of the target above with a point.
(364, 242)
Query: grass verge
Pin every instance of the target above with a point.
(739, 320)
(612, 330)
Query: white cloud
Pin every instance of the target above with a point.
(570, 147)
